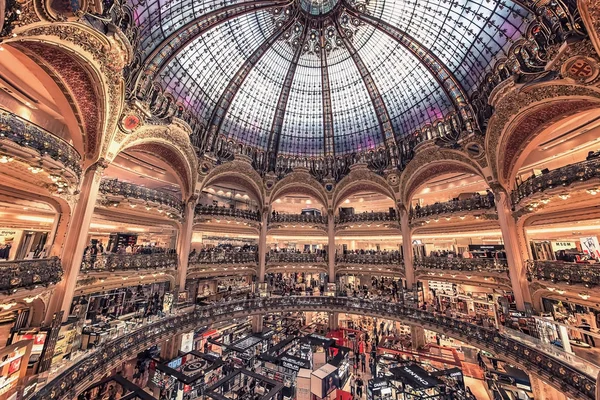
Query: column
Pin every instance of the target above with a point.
(417, 337)
(407, 250)
(543, 391)
(184, 242)
(257, 323)
(515, 250)
(333, 320)
(262, 245)
(170, 348)
(331, 246)
(76, 240)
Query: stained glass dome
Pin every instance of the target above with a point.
(324, 77)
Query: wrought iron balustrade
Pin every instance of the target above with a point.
(216, 211)
(127, 190)
(366, 217)
(28, 134)
(239, 257)
(385, 258)
(451, 207)
(564, 176)
(126, 262)
(298, 219)
(573, 379)
(462, 264)
(567, 272)
(296, 257)
(28, 274)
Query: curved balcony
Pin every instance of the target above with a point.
(128, 262)
(224, 258)
(117, 188)
(571, 376)
(29, 274)
(366, 217)
(226, 212)
(26, 134)
(462, 264)
(452, 207)
(297, 219)
(296, 258)
(565, 272)
(375, 259)
(564, 176)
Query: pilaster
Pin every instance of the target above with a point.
(516, 250)
(76, 240)
(407, 250)
(257, 323)
(262, 245)
(331, 246)
(184, 241)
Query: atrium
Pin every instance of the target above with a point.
(299, 199)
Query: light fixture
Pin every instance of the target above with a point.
(7, 306)
(35, 170)
(560, 291)
(564, 196)
(593, 192)
(347, 201)
(5, 159)
(462, 217)
(584, 296)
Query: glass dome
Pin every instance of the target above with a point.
(323, 77)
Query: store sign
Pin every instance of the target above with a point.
(417, 377)
(292, 363)
(590, 246)
(187, 342)
(557, 246)
(176, 363)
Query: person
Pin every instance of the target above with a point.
(363, 362)
(490, 196)
(588, 338)
(359, 387)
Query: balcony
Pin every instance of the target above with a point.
(565, 272)
(29, 274)
(576, 380)
(128, 262)
(297, 219)
(226, 212)
(462, 264)
(119, 189)
(452, 207)
(239, 257)
(564, 176)
(366, 217)
(296, 258)
(374, 259)
(16, 130)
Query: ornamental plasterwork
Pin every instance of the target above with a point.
(515, 101)
(240, 170)
(361, 179)
(299, 180)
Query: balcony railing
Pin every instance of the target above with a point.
(27, 134)
(298, 219)
(451, 207)
(215, 211)
(564, 176)
(567, 272)
(126, 262)
(127, 190)
(223, 258)
(575, 380)
(296, 257)
(387, 258)
(366, 217)
(462, 264)
(28, 274)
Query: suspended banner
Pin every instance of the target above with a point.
(590, 246)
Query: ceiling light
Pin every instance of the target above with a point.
(33, 218)
(35, 170)
(5, 159)
(564, 196)
(308, 202)
(584, 296)
(593, 192)
(347, 201)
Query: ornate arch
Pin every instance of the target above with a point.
(171, 144)
(359, 180)
(240, 173)
(522, 114)
(429, 163)
(87, 66)
(299, 182)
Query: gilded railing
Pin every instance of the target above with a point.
(28, 134)
(295, 257)
(116, 187)
(29, 274)
(240, 257)
(575, 381)
(126, 262)
(366, 217)
(385, 258)
(462, 264)
(216, 211)
(451, 207)
(567, 272)
(298, 218)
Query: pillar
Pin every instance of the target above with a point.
(516, 250)
(76, 240)
(407, 250)
(184, 242)
(257, 323)
(333, 320)
(262, 245)
(331, 246)
(543, 391)
(417, 337)
(169, 349)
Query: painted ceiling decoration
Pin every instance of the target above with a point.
(323, 79)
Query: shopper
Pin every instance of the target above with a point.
(588, 338)
(359, 387)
